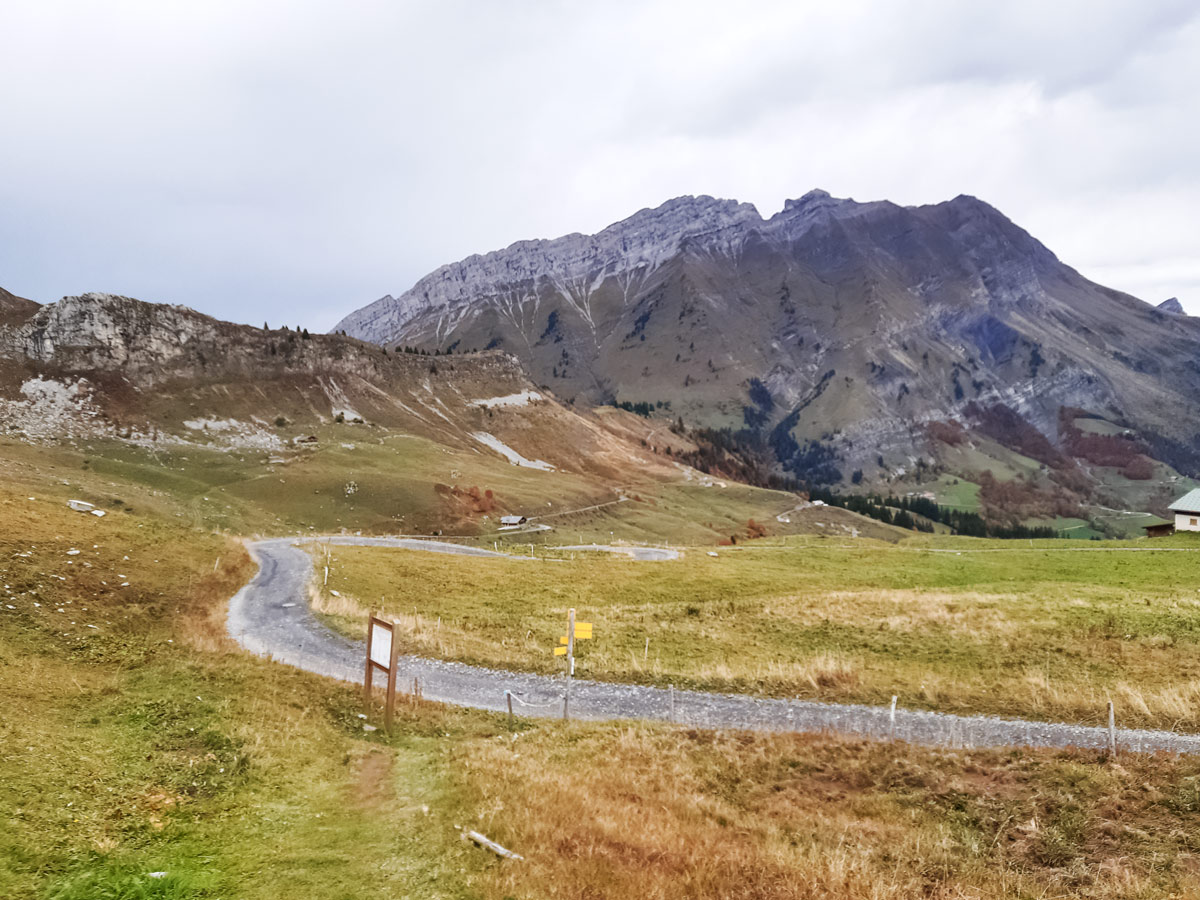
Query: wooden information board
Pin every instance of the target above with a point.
(382, 650)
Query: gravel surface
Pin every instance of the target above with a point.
(270, 616)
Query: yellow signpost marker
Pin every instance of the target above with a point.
(576, 631)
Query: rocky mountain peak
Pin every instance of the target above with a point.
(1172, 306)
(814, 198)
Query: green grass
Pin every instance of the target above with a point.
(955, 493)
(145, 744)
(1013, 628)
(386, 484)
(1073, 528)
(149, 744)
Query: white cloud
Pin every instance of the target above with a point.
(291, 161)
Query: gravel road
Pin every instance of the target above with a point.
(270, 616)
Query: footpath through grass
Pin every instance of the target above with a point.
(135, 740)
(1047, 629)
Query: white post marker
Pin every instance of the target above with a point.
(1112, 732)
(892, 719)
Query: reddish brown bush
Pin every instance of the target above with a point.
(1113, 450)
(1006, 427)
(1140, 469)
(950, 433)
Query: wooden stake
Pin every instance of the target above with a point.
(646, 652)
(1112, 732)
(672, 687)
(390, 702)
(508, 697)
(217, 563)
(367, 677)
(488, 844)
(892, 718)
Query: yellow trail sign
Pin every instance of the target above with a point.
(563, 640)
(560, 651)
(583, 631)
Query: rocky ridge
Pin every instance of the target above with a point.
(848, 325)
(112, 367)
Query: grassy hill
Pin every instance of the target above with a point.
(148, 758)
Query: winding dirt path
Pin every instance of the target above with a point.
(271, 617)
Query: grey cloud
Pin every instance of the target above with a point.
(273, 160)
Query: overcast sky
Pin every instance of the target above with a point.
(292, 161)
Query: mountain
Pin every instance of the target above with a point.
(15, 309)
(1172, 306)
(100, 366)
(274, 431)
(841, 335)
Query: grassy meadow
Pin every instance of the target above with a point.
(151, 745)
(135, 738)
(1049, 629)
(143, 755)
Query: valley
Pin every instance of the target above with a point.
(147, 754)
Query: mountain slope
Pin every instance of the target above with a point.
(14, 309)
(115, 366)
(851, 325)
(270, 431)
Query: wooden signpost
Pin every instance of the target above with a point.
(576, 631)
(382, 651)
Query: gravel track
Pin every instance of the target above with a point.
(271, 617)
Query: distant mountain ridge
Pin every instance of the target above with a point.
(842, 326)
(103, 366)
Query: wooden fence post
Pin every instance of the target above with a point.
(508, 697)
(367, 677)
(390, 702)
(892, 719)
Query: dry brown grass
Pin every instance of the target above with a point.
(201, 618)
(1006, 632)
(626, 811)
